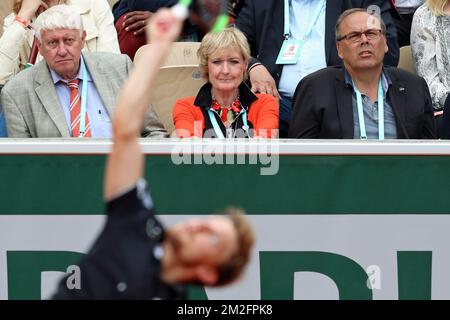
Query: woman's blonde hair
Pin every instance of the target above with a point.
(218, 41)
(437, 7)
(17, 4)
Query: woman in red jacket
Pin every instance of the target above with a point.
(225, 107)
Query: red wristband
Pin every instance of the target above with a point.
(25, 23)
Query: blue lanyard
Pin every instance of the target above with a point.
(216, 126)
(312, 24)
(362, 124)
(83, 101)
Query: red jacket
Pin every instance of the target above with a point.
(262, 110)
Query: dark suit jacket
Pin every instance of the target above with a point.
(262, 23)
(123, 262)
(322, 106)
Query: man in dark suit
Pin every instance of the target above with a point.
(363, 99)
(134, 257)
(263, 21)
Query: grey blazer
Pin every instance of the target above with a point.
(32, 107)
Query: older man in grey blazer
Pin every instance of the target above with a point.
(68, 94)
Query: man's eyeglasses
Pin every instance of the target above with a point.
(371, 34)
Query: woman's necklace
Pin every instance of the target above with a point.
(227, 113)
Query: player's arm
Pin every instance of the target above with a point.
(125, 164)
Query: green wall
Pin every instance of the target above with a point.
(35, 184)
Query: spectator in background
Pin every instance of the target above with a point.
(264, 25)
(17, 45)
(403, 12)
(47, 100)
(225, 106)
(130, 17)
(430, 43)
(17, 39)
(362, 100)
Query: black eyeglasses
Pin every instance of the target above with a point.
(371, 34)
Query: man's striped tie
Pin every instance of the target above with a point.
(75, 108)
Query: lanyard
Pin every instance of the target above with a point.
(83, 101)
(362, 124)
(312, 24)
(216, 126)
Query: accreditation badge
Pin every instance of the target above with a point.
(290, 51)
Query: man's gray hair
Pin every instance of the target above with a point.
(371, 10)
(58, 17)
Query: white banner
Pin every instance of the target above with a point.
(374, 242)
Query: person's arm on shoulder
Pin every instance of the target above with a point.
(125, 164)
(260, 78)
(262, 81)
(423, 46)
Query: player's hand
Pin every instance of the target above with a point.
(164, 26)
